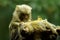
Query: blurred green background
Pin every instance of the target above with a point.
(49, 9)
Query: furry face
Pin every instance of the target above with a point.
(24, 17)
(22, 13)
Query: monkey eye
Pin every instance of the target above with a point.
(24, 14)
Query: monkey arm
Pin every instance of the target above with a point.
(58, 30)
(14, 31)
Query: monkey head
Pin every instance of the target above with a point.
(22, 13)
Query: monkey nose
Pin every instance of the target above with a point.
(26, 16)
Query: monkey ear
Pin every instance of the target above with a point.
(17, 7)
(31, 8)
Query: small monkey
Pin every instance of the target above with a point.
(22, 13)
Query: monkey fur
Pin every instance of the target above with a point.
(41, 30)
(22, 13)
